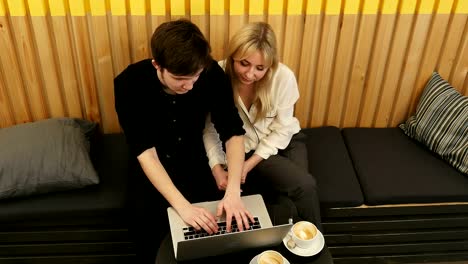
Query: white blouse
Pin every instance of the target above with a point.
(268, 135)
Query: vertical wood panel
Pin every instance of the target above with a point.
(359, 70)
(218, 23)
(12, 76)
(430, 57)
(199, 10)
(203, 23)
(237, 16)
(341, 73)
(394, 71)
(358, 62)
(138, 35)
(159, 14)
(67, 70)
(256, 11)
(120, 42)
(138, 31)
(307, 63)
(410, 69)
(465, 85)
(460, 68)
(276, 18)
(235, 23)
(293, 33)
(451, 45)
(29, 66)
(218, 40)
(308, 67)
(47, 66)
(84, 62)
(292, 45)
(325, 67)
(178, 9)
(104, 73)
(256, 18)
(65, 57)
(6, 117)
(377, 68)
(119, 39)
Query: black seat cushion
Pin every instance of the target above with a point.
(91, 204)
(393, 169)
(330, 164)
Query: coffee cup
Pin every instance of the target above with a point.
(270, 257)
(304, 234)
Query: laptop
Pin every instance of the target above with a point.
(190, 244)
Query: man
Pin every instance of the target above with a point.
(162, 104)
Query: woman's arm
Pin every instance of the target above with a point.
(216, 154)
(213, 145)
(284, 125)
(231, 203)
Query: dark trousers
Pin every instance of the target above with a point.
(287, 174)
(148, 216)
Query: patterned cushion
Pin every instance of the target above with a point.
(441, 122)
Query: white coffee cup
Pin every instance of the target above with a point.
(270, 257)
(304, 234)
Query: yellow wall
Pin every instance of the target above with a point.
(358, 62)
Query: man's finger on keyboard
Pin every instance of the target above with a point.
(212, 222)
(207, 225)
(195, 225)
(209, 215)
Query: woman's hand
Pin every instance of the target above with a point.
(221, 177)
(199, 218)
(234, 208)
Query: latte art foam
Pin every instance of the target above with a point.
(304, 231)
(270, 257)
(270, 260)
(305, 234)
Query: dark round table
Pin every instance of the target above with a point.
(166, 255)
(280, 211)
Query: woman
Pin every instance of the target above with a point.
(265, 92)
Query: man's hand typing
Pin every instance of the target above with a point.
(199, 218)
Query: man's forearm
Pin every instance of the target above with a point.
(235, 153)
(158, 176)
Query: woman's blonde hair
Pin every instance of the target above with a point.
(252, 37)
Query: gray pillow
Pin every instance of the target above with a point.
(45, 156)
(441, 122)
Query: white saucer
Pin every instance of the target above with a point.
(307, 252)
(254, 260)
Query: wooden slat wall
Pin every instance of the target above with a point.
(358, 62)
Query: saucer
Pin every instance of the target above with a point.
(307, 252)
(254, 260)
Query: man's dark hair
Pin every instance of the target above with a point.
(180, 47)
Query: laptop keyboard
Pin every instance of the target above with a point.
(191, 233)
